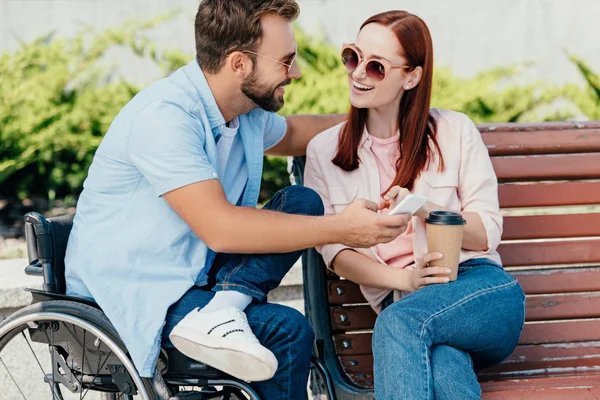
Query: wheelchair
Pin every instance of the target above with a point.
(74, 349)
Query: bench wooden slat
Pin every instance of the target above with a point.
(565, 280)
(555, 252)
(551, 226)
(361, 379)
(582, 380)
(560, 331)
(539, 308)
(524, 359)
(514, 143)
(352, 318)
(546, 281)
(548, 194)
(353, 344)
(529, 127)
(581, 387)
(563, 306)
(344, 292)
(551, 167)
(535, 357)
(570, 393)
(534, 333)
(550, 253)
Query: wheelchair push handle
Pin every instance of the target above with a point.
(38, 235)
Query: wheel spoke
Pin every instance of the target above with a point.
(13, 379)
(82, 367)
(52, 350)
(33, 352)
(97, 372)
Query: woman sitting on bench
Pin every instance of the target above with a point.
(431, 335)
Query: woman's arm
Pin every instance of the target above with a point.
(362, 270)
(475, 235)
(477, 190)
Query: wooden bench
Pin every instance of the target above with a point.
(554, 253)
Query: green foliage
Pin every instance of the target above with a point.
(587, 100)
(57, 101)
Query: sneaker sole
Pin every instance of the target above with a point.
(235, 362)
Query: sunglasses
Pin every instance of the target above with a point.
(375, 69)
(288, 66)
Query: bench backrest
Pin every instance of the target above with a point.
(554, 253)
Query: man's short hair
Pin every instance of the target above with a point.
(224, 26)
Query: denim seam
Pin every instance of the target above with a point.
(227, 277)
(289, 353)
(466, 299)
(226, 286)
(283, 200)
(524, 316)
(470, 360)
(428, 384)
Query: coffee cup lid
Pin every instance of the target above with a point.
(445, 218)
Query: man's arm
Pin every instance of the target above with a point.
(230, 229)
(300, 130)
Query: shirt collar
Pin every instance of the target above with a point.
(195, 74)
(365, 139)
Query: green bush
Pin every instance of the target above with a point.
(56, 102)
(587, 100)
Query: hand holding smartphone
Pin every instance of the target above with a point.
(409, 205)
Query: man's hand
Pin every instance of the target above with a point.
(423, 275)
(363, 227)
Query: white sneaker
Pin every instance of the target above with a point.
(223, 339)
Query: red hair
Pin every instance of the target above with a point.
(416, 124)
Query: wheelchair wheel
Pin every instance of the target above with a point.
(63, 350)
(319, 381)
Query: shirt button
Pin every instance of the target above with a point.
(215, 174)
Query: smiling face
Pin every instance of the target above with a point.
(275, 65)
(375, 42)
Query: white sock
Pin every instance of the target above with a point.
(228, 298)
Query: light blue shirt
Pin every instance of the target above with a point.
(128, 249)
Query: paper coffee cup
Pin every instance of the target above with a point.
(444, 235)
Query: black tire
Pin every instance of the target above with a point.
(85, 312)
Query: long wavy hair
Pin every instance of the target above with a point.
(417, 126)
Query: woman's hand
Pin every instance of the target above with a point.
(423, 275)
(395, 195)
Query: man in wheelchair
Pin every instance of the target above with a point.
(167, 240)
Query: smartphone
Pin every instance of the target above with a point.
(409, 205)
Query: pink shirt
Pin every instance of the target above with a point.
(468, 183)
(399, 252)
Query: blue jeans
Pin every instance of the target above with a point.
(281, 329)
(430, 343)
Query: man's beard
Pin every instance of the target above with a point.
(263, 97)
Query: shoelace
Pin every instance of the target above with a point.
(242, 320)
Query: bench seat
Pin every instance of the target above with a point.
(549, 191)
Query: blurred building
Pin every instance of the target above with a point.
(469, 35)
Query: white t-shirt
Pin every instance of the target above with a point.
(234, 169)
(224, 145)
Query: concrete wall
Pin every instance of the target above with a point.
(469, 35)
